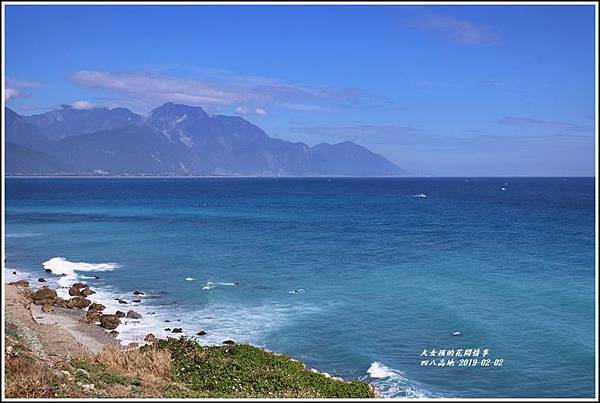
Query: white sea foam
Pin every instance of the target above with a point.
(60, 265)
(22, 235)
(68, 270)
(189, 279)
(393, 383)
(32, 278)
(378, 370)
(210, 285)
(240, 323)
(18, 275)
(221, 321)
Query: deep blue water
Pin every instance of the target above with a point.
(385, 275)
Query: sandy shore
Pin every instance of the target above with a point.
(59, 333)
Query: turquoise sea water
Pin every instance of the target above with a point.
(382, 275)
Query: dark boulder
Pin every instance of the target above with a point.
(91, 316)
(61, 302)
(120, 314)
(109, 322)
(41, 280)
(229, 342)
(76, 290)
(44, 296)
(78, 302)
(96, 307)
(93, 313)
(177, 330)
(20, 283)
(131, 314)
(201, 333)
(113, 333)
(136, 292)
(86, 292)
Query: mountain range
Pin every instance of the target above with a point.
(173, 139)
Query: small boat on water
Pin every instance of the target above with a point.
(420, 195)
(503, 189)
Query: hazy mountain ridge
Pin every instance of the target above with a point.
(68, 121)
(172, 140)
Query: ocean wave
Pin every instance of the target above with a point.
(11, 274)
(210, 285)
(68, 270)
(221, 321)
(392, 383)
(243, 324)
(22, 235)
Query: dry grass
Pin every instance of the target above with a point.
(179, 368)
(27, 380)
(113, 372)
(138, 363)
(29, 377)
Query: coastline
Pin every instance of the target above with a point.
(59, 331)
(55, 333)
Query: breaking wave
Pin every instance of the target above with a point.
(68, 270)
(392, 383)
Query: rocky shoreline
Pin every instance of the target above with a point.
(81, 305)
(91, 326)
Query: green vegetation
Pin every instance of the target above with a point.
(91, 367)
(172, 368)
(247, 371)
(93, 372)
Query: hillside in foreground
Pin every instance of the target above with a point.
(45, 361)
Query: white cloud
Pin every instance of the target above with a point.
(11, 93)
(245, 110)
(82, 105)
(304, 107)
(550, 124)
(216, 89)
(459, 30)
(14, 88)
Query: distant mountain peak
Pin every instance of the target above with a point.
(174, 139)
(70, 121)
(174, 111)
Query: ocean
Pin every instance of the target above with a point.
(355, 277)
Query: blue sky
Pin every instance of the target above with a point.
(439, 90)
